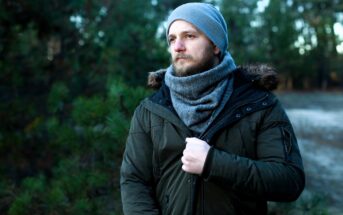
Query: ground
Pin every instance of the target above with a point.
(317, 118)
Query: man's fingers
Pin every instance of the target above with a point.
(185, 164)
(194, 155)
(194, 141)
(184, 160)
(187, 158)
(184, 168)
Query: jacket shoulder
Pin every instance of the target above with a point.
(261, 76)
(141, 118)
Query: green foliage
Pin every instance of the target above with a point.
(242, 36)
(84, 151)
(89, 111)
(57, 97)
(28, 201)
(294, 36)
(21, 204)
(63, 129)
(308, 203)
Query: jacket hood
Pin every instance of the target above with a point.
(261, 75)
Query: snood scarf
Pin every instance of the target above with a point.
(199, 98)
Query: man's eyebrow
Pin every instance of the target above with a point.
(186, 32)
(171, 36)
(191, 31)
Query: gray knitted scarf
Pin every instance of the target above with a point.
(199, 98)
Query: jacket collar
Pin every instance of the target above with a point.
(251, 93)
(261, 76)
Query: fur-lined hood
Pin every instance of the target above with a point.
(262, 76)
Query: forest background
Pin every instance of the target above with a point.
(73, 71)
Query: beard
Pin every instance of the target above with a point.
(208, 61)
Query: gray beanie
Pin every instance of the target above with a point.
(206, 18)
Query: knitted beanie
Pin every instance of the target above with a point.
(206, 18)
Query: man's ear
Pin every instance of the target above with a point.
(216, 50)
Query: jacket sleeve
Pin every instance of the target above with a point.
(136, 180)
(277, 172)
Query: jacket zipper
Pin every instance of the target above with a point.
(207, 137)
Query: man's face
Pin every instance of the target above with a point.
(191, 51)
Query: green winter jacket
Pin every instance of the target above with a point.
(254, 156)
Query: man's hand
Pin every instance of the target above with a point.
(194, 155)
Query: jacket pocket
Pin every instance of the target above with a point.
(165, 205)
(156, 138)
(287, 142)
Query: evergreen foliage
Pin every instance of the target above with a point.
(64, 109)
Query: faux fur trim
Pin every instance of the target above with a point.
(155, 78)
(262, 75)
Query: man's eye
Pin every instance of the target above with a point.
(171, 40)
(190, 36)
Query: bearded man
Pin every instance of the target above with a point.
(213, 139)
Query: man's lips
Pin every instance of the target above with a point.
(182, 57)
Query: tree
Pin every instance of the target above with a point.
(320, 17)
(64, 109)
(69, 80)
(239, 16)
(278, 29)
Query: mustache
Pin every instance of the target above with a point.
(182, 56)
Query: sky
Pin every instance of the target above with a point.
(338, 28)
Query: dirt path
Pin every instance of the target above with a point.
(320, 137)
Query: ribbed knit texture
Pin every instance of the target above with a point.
(199, 98)
(206, 18)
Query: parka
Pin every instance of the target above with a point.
(254, 156)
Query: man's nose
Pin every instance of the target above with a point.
(179, 45)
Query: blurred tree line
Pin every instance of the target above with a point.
(72, 72)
